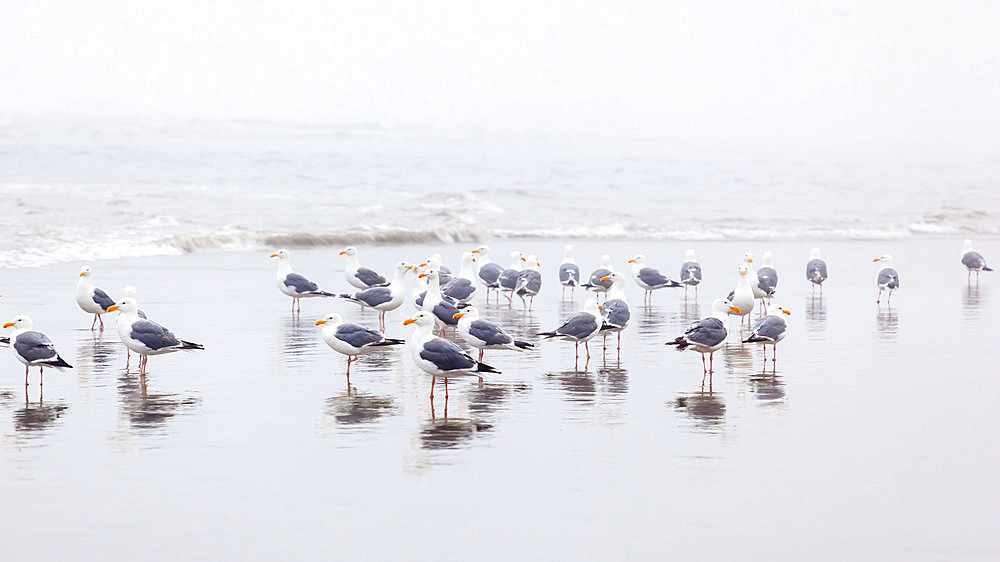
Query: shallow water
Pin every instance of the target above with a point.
(872, 436)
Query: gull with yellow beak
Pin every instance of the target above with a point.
(33, 348)
(439, 357)
(649, 278)
(580, 328)
(293, 284)
(352, 340)
(888, 279)
(708, 335)
(615, 310)
(358, 276)
(146, 337)
(383, 299)
(91, 299)
(483, 334)
(769, 330)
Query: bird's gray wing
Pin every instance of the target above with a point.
(767, 279)
(445, 311)
(652, 277)
(356, 335)
(595, 278)
(34, 346)
(153, 336)
(816, 270)
(579, 325)
(300, 283)
(616, 313)
(768, 328)
(973, 260)
(446, 356)
(489, 273)
(690, 273)
(374, 296)
(102, 299)
(569, 274)
(707, 332)
(369, 277)
(508, 279)
(459, 288)
(489, 333)
(888, 278)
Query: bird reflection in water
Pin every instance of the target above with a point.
(738, 358)
(975, 297)
(36, 417)
(815, 315)
(300, 339)
(356, 409)
(768, 387)
(614, 379)
(705, 407)
(450, 433)
(887, 322)
(147, 412)
(579, 387)
(490, 397)
(94, 356)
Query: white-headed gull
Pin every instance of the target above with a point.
(569, 272)
(767, 278)
(33, 348)
(442, 309)
(434, 262)
(439, 357)
(462, 287)
(529, 281)
(973, 261)
(352, 340)
(383, 299)
(594, 283)
(580, 328)
(708, 334)
(888, 279)
(146, 337)
(489, 271)
(816, 270)
(293, 284)
(769, 330)
(742, 297)
(690, 272)
(648, 278)
(508, 279)
(615, 313)
(91, 299)
(483, 334)
(357, 275)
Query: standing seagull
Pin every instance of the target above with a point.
(758, 292)
(742, 297)
(816, 270)
(616, 312)
(508, 279)
(888, 279)
(489, 271)
(767, 278)
(439, 357)
(441, 308)
(462, 287)
(293, 284)
(973, 261)
(358, 276)
(483, 334)
(383, 299)
(649, 279)
(529, 281)
(769, 330)
(595, 284)
(146, 337)
(33, 348)
(708, 334)
(580, 327)
(90, 298)
(690, 272)
(352, 340)
(569, 272)
(434, 262)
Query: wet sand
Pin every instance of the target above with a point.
(873, 436)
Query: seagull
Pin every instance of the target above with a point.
(508, 279)
(708, 334)
(489, 271)
(580, 327)
(33, 348)
(616, 312)
(649, 279)
(439, 357)
(358, 276)
(383, 299)
(434, 262)
(769, 330)
(443, 310)
(690, 272)
(463, 286)
(569, 272)
(529, 281)
(767, 278)
(595, 284)
(90, 298)
(758, 292)
(129, 291)
(483, 334)
(742, 297)
(816, 270)
(973, 261)
(352, 340)
(293, 284)
(146, 337)
(888, 279)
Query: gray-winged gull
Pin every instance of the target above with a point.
(146, 337)
(648, 278)
(690, 272)
(33, 348)
(91, 299)
(580, 327)
(816, 270)
(293, 284)
(442, 309)
(489, 271)
(973, 261)
(594, 283)
(439, 357)
(357, 275)
(483, 334)
(352, 340)
(708, 334)
(615, 312)
(529, 281)
(508, 279)
(462, 287)
(888, 279)
(383, 299)
(569, 272)
(769, 330)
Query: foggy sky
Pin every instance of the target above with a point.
(838, 71)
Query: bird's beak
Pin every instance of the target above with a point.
(599, 307)
(631, 261)
(735, 309)
(342, 252)
(421, 275)
(457, 315)
(423, 264)
(474, 251)
(876, 259)
(113, 308)
(524, 259)
(409, 321)
(751, 260)
(786, 312)
(272, 255)
(606, 278)
(8, 324)
(319, 322)
(473, 260)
